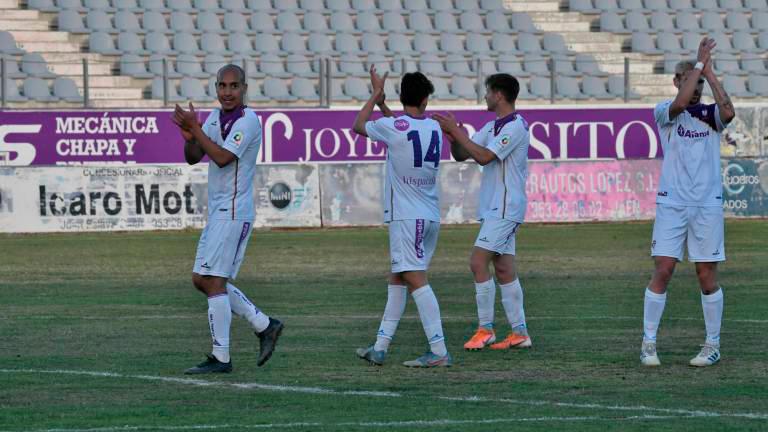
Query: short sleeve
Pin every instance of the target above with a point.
(245, 132)
(479, 136)
(718, 120)
(511, 136)
(379, 130)
(661, 113)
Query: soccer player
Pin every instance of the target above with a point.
(689, 202)
(230, 137)
(412, 210)
(501, 147)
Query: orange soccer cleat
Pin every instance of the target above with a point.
(513, 340)
(482, 338)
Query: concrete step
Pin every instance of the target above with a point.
(9, 25)
(618, 68)
(56, 57)
(586, 37)
(52, 47)
(20, 14)
(137, 103)
(9, 4)
(533, 6)
(559, 17)
(558, 27)
(106, 81)
(116, 93)
(658, 90)
(40, 36)
(610, 47)
(75, 69)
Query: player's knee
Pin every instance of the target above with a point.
(707, 279)
(199, 282)
(478, 265)
(505, 275)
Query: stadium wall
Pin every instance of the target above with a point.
(124, 170)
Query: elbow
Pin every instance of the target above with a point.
(486, 159)
(359, 130)
(730, 115)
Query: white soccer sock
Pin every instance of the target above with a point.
(397, 296)
(713, 315)
(485, 294)
(512, 299)
(219, 319)
(652, 311)
(243, 307)
(429, 312)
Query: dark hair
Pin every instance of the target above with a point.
(414, 87)
(504, 83)
(231, 67)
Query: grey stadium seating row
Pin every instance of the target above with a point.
(268, 5)
(664, 42)
(597, 6)
(639, 21)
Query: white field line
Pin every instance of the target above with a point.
(325, 391)
(409, 424)
(451, 318)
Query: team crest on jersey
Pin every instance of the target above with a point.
(237, 138)
(505, 140)
(402, 125)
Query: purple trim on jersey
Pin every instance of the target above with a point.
(499, 123)
(243, 233)
(419, 243)
(705, 113)
(228, 119)
(421, 117)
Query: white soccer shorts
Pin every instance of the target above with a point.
(701, 227)
(412, 242)
(221, 248)
(497, 235)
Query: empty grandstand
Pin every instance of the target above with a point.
(149, 53)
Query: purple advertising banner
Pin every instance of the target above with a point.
(290, 136)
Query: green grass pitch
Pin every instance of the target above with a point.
(97, 328)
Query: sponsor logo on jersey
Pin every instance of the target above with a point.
(505, 140)
(237, 138)
(662, 193)
(687, 133)
(402, 125)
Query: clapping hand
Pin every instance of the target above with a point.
(377, 84)
(186, 120)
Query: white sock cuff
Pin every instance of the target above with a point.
(485, 286)
(654, 296)
(391, 288)
(514, 283)
(425, 290)
(712, 298)
(218, 298)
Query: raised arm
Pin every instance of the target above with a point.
(187, 121)
(377, 83)
(688, 85)
(723, 101)
(462, 147)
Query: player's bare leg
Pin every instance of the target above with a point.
(512, 300)
(712, 305)
(653, 307)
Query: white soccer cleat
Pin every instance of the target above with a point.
(648, 356)
(709, 355)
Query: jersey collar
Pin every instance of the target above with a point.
(499, 123)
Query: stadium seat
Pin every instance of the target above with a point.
(668, 42)
(356, 88)
(155, 66)
(758, 84)
(287, 5)
(762, 40)
(723, 42)
(271, 65)
(587, 65)
(380, 61)
(442, 92)
(213, 43)
(347, 43)
(707, 5)
(687, 22)
(467, 5)
(535, 64)
(564, 67)
(42, 5)
(416, 5)
(207, 6)
(213, 62)
(442, 6)
(311, 5)
(98, 21)
(477, 44)
(237, 6)
(249, 66)
(451, 43)
(540, 87)
(760, 20)
(277, 90)
(260, 5)
(737, 21)
(342, 22)
(73, 5)
(153, 5)
(524, 93)
(337, 92)
(339, 5)
(432, 65)
(731, 5)
(446, 22)
(711, 21)
(661, 21)
(192, 89)
(261, 22)
(756, 5)
(594, 87)
(644, 43)
(635, 21)
(607, 5)
(503, 43)
(154, 21)
(266, 43)
(188, 65)
(208, 22)
(368, 22)
(71, 21)
(487, 66)
(372, 43)
(182, 22)
(728, 64)
(298, 66)
(404, 64)
(157, 90)
(457, 65)
(492, 5)
(12, 92)
(510, 64)
(528, 43)
(12, 68)
(304, 89)
(288, 22)
(394, 22)
(631, 5)
(611, 22)
(240, 43)
(65, 89)
(134, 66)
(616, 87)
(34, 65)
(102, 43)
(420, 23)
(352, 65)
(522, 22)
(37, 89)
(471, 22)
(498, 23)
(554, 43)
(179, 5)
(681, 5)
(364, 5)
(186, 43)
(157, 42)
(320, 44)
(293, 43)
(753, 63)
(463, 87)
(399, 44)
(656, 5)
(314, 22)
(127, 21)
(736, 86)
(254, 92)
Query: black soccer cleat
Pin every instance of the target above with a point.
(268, 340)
(210, 365)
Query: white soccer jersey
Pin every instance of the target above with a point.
(230, 188)
(502, 190)
(413, 159)
(690, 173)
